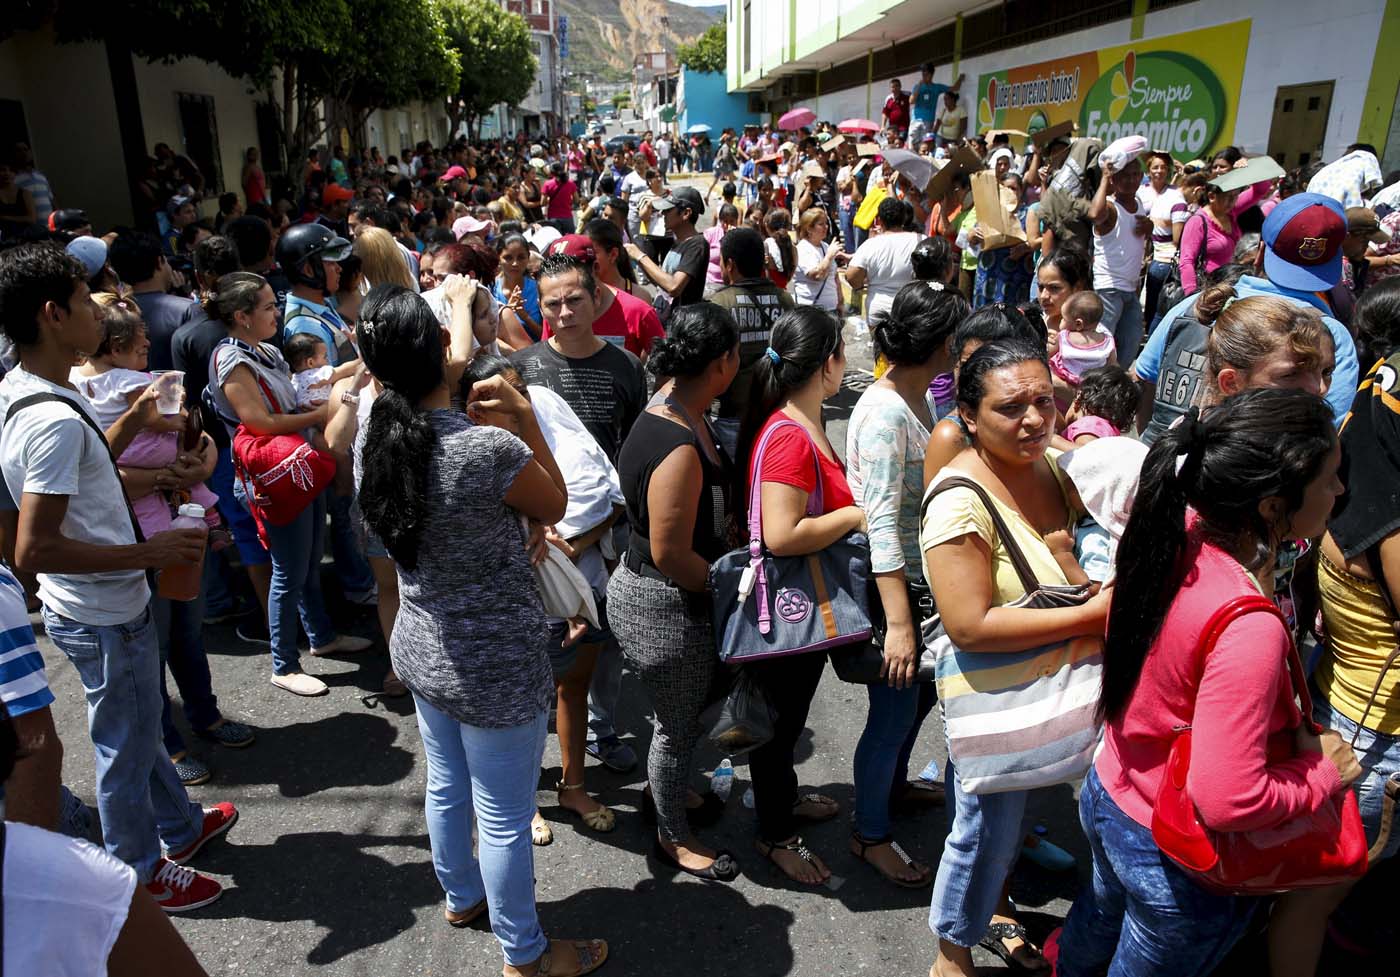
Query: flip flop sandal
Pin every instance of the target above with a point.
(815, 799)
(929, 792)
(865, 846)
(797, 846)
(601, 820)
(999, 932)
(590, 955)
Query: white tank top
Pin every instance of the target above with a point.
(1118, 254)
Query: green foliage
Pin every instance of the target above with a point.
(497, 57)
(708, 53)
(621, 100)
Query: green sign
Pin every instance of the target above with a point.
(1171, 98)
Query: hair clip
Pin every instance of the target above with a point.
(936, 286)
(1229, 302)
(773, 355)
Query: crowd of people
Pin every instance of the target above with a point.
(1173, 395)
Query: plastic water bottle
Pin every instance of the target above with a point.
(748, 798)
(180, 581)
(723, 780)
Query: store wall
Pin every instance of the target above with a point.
(706, 99)
(1290, 42)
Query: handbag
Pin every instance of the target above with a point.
(1173, 293)
(1018, 720)
(281, 474)
(1323, 848)
(800, 603)
(860, 664)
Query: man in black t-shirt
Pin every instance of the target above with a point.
(680, 277)
(603, 384)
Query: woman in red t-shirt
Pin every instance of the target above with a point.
(801, 368)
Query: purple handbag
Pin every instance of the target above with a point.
(768, 606)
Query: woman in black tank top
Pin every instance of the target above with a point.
(676, 480)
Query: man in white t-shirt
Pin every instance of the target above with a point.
(883, 265)
(75, 530)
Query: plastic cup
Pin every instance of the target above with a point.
(171, 386)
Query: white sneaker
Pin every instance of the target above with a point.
(299, 683)
(344, 644)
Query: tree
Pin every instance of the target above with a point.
(621, 100)
(497, 59)
(708, 53)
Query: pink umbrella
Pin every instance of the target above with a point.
(797, 118)
(858, 125)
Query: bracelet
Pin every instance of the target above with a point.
(346, 397)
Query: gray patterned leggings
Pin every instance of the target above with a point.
(671, 649)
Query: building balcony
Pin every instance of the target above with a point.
(538, 14)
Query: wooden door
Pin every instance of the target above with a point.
(1300, 123)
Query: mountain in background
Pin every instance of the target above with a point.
(605, 35)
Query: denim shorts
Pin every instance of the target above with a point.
(562, 659)
(1379, 755)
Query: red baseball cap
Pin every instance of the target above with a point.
(334, 192)
(1303, 238)
(574, 246)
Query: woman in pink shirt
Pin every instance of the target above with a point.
(1214, 229)
(1215, 497)
(714, 274)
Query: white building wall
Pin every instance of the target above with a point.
(1291, 42)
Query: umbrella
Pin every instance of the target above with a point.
(797, 118)
(858, 125)
(698, 129)
(916, 168)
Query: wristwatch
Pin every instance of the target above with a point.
(346, 397)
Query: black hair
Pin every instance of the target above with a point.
(890, 213)
(1072, 264)
(191, 231)
(607, 183)
(605, 234)
(696, 336)
(1376, 320)
(932, 259)
(420, 222)
(991, 324)
(1229, 154)
(1363, 147)
(235, 292)
(135, 256)
(728, 214)
(556, 169)
(744, 247)
(217, 256)
(1109, 392)
(31, 276)
(401, 342)
(778, 222)
(728, 191)
(252, 237)
(1257, 444)
(972, 377)
(1035, 318)
(557, 265)
(227, 201)
(506, 240)
(803, 339)
(369, 210)
(300, 347)
(121, 324)
(918, 324)
(483, 366)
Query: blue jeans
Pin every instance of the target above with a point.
(882, 755)
(180, 633)
(1379, 756)
(235, 511)
(978, 854)
(490, 774)
(139, 795)
(356, 578)
(296, 587)
(1157, 274)
(1145, 916)
(1122, 316)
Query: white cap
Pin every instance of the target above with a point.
(192, 510)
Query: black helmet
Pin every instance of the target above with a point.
(303, 243)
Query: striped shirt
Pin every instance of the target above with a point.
(23, 688)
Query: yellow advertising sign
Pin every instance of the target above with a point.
(1180, 91)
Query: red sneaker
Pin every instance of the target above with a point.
(177, 889)
(217, 820)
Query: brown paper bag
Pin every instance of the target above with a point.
(995, 219)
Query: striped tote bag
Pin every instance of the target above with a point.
(1018, 720)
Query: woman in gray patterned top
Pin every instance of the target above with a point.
(469, 639)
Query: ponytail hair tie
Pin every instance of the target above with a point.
(1192, 437)
(1229, 302)
(772, 354)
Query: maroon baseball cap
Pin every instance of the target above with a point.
(574, 246)
(1303, 238)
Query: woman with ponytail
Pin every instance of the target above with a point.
(1216, 497)
(885, 443)
(470, 637)
(676, 480)
(801, 368)
(251, 384)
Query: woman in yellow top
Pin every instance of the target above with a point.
(1008, 407)
(1359, 555)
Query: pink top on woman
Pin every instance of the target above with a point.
(1244, 771)
(1219, 246)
